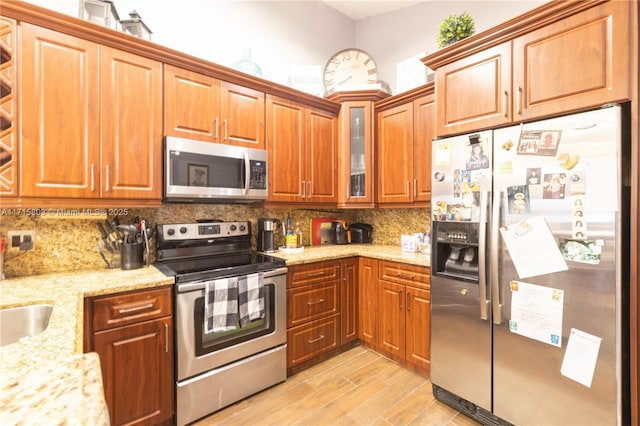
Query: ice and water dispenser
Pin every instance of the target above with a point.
(454, 248)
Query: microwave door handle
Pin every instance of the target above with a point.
(247, 173)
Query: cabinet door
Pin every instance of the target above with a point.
(391, 323)
(60, 111)
(368, 300)
(578, 62)
(349, 300)
(285, 146)
(191, 105)
(137, 371)
(321, 157)
(242, 111)
(423, 132)
(355, 160)
(418, 331)
(395, 155)
(474, 92)
(131, 126)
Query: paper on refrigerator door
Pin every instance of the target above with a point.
(536, 312)
(533, 248)
(580, 358)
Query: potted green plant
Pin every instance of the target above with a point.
(455, 27)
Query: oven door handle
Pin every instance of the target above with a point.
(247, 173)
(201, 285)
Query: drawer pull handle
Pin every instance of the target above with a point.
(136, 308)
(315, 274)
(317, 339)
(315, 302)
(405, 276)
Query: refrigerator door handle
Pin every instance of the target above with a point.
(496, 302)
(482, 265)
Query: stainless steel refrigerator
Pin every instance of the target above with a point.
(530, 264)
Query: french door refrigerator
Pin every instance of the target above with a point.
(529, 285)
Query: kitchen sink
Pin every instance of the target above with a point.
(23, 321)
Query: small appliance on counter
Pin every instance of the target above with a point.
(361, 233)
(341, 233)
(321, 232)
(267, 235)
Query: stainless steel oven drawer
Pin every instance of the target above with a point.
(249, 375)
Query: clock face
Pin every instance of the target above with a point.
(349, 67)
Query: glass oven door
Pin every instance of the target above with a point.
(215, 341)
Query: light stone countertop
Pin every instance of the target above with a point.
(47, 379)
(327, 252)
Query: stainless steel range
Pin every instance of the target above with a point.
(215, 368)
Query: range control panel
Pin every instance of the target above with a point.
(190, 231)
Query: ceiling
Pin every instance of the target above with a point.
(361, 9)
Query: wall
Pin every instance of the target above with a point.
(67, 244)
(399, 35)
(283, 34)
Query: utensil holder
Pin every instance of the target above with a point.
(132, 256)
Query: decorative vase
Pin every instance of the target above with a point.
(245, 64)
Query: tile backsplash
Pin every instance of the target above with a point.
(64, 244)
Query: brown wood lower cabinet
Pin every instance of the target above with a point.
(133, 335)
(321, 311)
(395, 311)
(368, 301)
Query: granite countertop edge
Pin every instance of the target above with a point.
(56, 353)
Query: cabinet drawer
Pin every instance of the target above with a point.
(402, 273)
(309, 340)
(318, 272)
(311, 302)
(130, 308)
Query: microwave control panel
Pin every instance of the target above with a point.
(258, 175)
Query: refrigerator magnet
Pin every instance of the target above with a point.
(539, 142)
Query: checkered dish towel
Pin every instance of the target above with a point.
(251, 297)
(221, 305)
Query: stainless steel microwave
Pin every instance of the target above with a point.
(196, 171)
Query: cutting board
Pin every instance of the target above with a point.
(316, 226)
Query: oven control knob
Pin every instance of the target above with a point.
(243, 228)
(233, 228)
(183, 230)
(171, 231)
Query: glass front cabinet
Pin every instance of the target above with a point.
(356, 180)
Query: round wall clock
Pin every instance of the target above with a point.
(349, 67)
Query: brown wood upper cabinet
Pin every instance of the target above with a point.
(301, 142)
(404, 152)
(356, 146)
(204, 108)
(573, 63)
(88, 134)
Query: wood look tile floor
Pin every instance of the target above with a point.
(357, 387)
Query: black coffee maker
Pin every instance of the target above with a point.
(267, 232)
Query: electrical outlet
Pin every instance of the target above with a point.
(21, 240)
